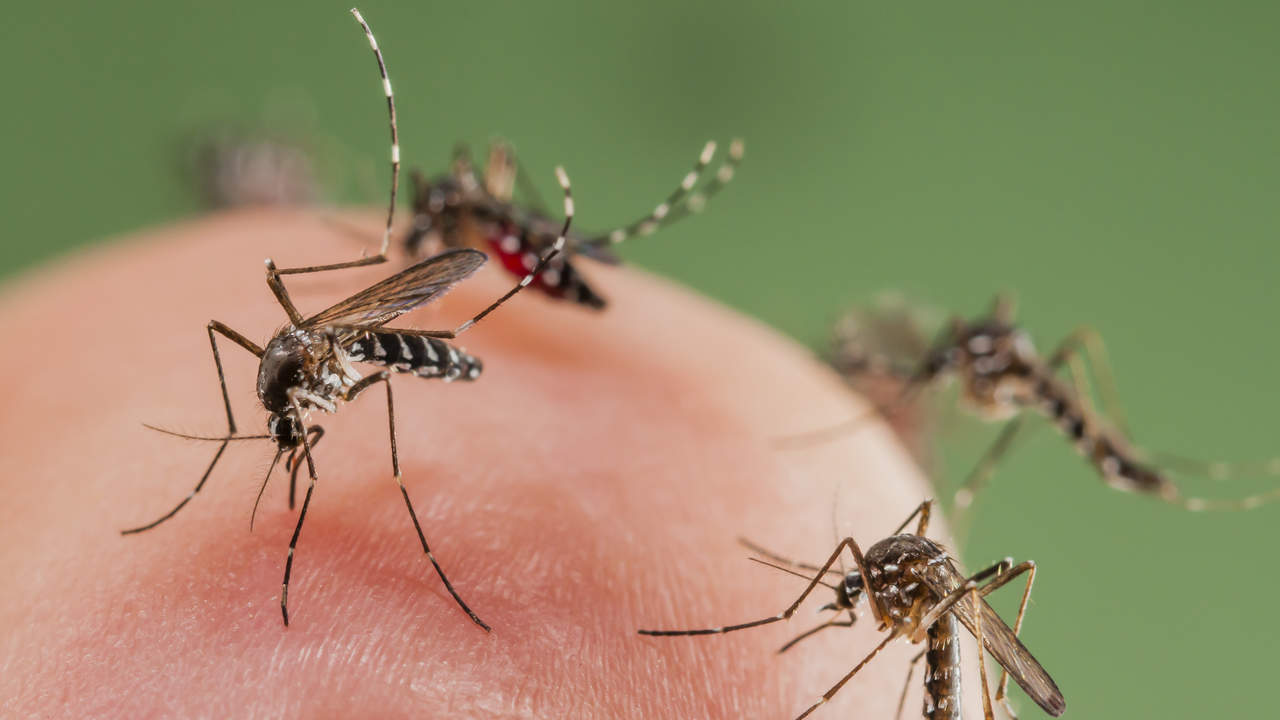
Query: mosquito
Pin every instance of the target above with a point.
(307, 365)
(916, 591)
(459, 209)
(1004, 378)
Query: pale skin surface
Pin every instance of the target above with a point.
(591, 483)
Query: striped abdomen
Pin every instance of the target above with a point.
(1108, 453)
(421, 356)
(942, 670)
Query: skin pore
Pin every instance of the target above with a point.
(591, 483)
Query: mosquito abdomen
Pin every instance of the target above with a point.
(415, 354)
(942, 670)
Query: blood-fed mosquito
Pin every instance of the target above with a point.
(916, 591)
(458, 209)
(308, 365)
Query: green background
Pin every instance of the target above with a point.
(1114, 163)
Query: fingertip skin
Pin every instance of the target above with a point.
(590, 484)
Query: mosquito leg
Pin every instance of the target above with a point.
(945, 604)
(982, 472)
(813, 631)
(662, 212)
(294, 463)
(982, 658)
(911, 669)
(462, 167)
(785, 614)
(836, 688)
(1086, 342)
(213, 327)
(395, 168)
(1028, 567)
(500, 171)
(385, 378)
(924, 510)
(302, 515)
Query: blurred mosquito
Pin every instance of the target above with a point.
(459, 209)
(1002, 377)
(307, 365)
(916, 592)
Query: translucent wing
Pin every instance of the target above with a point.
(410, 288)
(999, 640)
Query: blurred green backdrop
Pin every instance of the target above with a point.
(1115, 163)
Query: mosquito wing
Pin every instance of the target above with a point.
(999, 640)
(410, 288)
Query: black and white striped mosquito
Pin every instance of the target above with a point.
(459, 209)
(916, 592)
(307, 365)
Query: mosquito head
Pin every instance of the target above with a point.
(285, 431)
(945, 354)
(847, 592)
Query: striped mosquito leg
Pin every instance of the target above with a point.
(724, 175)
(658, 217)
(552, 252)
(785, 614)
(395, 166)
(385, 378)
(213, 327)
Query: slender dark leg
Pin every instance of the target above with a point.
(911, 669)
(385, 378)
(302, 515)
(836, 688)
(242, 341)
(294, 463)
(813, 631)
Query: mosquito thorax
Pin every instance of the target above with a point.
(284, 366)
(895, 575)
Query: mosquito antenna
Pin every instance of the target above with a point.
(220, 438)
(789, 571)
(395, 135)
(258, 499)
